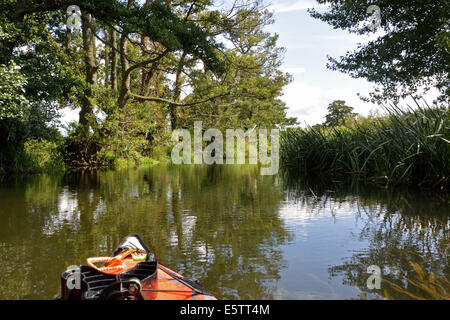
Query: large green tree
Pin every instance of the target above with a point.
(155, 20)
(338, 112)
(412, 54)
(136, 68)
(34, 81)
(248, 93)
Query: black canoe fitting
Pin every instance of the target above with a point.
(87, 283)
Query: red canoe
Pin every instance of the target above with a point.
(132, 273)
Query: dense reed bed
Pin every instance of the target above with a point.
(409, 146)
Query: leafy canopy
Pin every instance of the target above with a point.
(412, 54)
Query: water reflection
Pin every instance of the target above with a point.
(395, 227)
(245, 236)
(218, 224)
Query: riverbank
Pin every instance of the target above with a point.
(410, 147)
(401, 148)
(32, 156)
(42, 156)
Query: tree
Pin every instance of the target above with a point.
(34, 80)
(247, 94)
(338, 112)
(413, 52)
(169, 29)
(13, 103)
(138, 68)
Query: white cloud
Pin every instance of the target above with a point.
(309, 102)
(294, 70)
(294, 6)
(300, 46)
(352, 37)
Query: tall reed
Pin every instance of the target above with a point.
(409, 146)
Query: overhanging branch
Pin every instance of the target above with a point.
(178, 104)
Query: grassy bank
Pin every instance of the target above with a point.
(404, 147)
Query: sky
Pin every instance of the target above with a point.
(308, 41)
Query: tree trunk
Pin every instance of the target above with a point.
(107, 59)
(87, 107)
(145, 74)
(68, 38)
(177, 91)
(126, 76)
(114, 60)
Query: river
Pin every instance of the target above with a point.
(243, 235)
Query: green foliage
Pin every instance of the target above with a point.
(413, 52)
(32, 156)
(13, 102)
(81, 150)
(122, 163)
(135, 133)
(43, 156)
(405, 147)
(22, 120)
(35, 82)
(338, 113)
(252, 84)
(124, 138)
(238, 85)
(162, 24)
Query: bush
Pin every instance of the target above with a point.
(32, 156)
(42, 156)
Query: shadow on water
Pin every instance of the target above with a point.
(228, 226)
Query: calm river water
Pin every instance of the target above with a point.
(243, 235)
